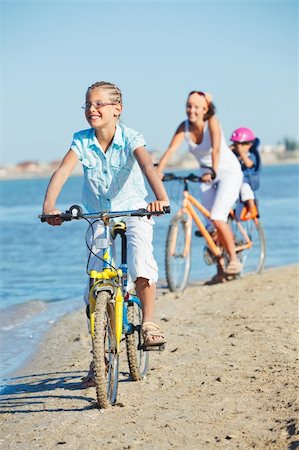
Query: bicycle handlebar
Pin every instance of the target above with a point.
(191, 177)
(172, 176)
(75, 213)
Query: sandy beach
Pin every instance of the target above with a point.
(226, 380)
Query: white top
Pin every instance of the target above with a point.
(228, 162)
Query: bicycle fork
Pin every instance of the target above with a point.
(116, 298)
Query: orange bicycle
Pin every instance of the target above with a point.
(249, 237)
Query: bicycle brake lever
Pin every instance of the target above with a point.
(213, 173)
(168, 177)
(193, 177)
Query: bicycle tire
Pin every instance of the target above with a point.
(105, 356)
(253, 259)
(177, 265)
(138, 359)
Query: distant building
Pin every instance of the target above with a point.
(28, 166)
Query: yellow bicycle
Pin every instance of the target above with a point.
(113, 311)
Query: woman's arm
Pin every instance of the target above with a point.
(175, 143)
(151, 174)
(56, 183)
(215, 133)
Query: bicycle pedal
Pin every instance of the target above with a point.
(151, 348)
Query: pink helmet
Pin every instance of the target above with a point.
(242, 135)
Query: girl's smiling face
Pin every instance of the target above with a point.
(196, 107)
(100, 110)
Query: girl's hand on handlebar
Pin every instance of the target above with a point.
(55, 221)
(157, 206)
(206, 177)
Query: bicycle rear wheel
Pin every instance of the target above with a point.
(105, 356)
(177, 255)
(253, 259)
(138, 359)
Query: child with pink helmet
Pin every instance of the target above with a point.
(245, 147)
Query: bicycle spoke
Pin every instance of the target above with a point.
(253, 258)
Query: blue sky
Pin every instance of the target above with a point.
(243, 52)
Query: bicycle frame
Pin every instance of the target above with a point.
(189, 203)
(115, 281)
(110, 278)
(248, 242)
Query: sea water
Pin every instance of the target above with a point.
(43, 268)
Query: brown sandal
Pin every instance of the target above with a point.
(216, 279)
(234, 267)
(150, 333)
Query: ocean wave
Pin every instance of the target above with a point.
(16, 315)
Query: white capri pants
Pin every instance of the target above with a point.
(140, 258)
(220, 195)
(246, 192)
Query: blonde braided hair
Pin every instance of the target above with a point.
(114, 91)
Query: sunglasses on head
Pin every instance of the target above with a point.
(198, 92)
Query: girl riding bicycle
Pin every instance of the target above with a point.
(114, 161)
(206, 142)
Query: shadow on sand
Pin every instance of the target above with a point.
(18, 395)
(36, 393)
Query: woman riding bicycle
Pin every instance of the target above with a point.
(206, 142)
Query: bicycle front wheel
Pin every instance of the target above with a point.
(138, 359)
(177, 255)
(105, 356)
(253, 259)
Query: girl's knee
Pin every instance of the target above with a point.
(144, 283)
(219, 223)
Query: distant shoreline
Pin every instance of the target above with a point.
(13, 174)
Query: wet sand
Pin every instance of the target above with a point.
(227, 379)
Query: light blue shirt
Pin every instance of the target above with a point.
(113, 181)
